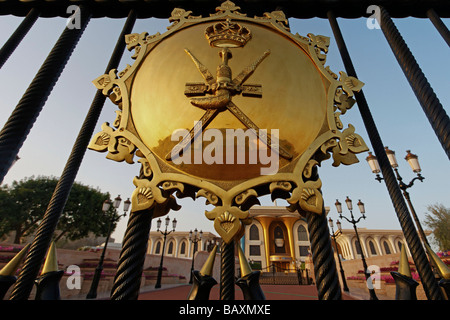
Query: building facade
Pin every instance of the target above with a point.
(275, 238)
(279, 239)
(178, 244)
(373, 242)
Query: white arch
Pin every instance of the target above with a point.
(186, 248)
(156, 245)
(384, 240)
(299, 242)
(168, 242)
(260, 243)
(369, 240)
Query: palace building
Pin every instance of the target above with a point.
(279, 239)
(178, 243)
(374, 242)
(276, 237)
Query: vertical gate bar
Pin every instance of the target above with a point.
(439, 25)
(61, 193)
(19, 124)
(21, 31)
(431, 105)
(227, 271)
(327, 280)
(412, 238)
(127, 280)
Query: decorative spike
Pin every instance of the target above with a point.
(442, 268)
(12, 266)
(207, 268)
(51, 262)
(403, 266)
(245, 266)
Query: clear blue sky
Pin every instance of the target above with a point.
(401, 122)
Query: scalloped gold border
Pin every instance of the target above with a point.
(154, 187)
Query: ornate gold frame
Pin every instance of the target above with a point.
(300, 187)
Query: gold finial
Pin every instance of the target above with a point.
(243, 263)
(11, 267)
(51, 262)
(207, 268)
(443, 270)
(403, 265)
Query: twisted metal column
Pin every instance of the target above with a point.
(59, 198)
(327, 281)
(439, 25)
(127, 280)
(431, 105)
(30, 105)
(21, 31)
(420, 259)
(227, 271)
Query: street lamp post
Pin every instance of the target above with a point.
(165, 233)
(194, 239)
(92, 294)
(354, 222)
(413, 161)
(333, 235)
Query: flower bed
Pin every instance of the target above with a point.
(153, 276)
(11, 248)
(443, 254)
(155, 269)
(388, 269)
(94, 265)
(5, 259)
(90, 275)
(89, 249)
(396, 262)
(385, 278)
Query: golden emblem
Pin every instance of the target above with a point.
(178, 118)
(223, 35)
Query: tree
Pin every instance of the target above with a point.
(23, 205)
(438, 220)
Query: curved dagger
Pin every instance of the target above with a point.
(206, 74)
(251, 125)
(248, 71)
(204, 121)
(214, 105)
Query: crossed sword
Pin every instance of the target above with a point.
(223, 90)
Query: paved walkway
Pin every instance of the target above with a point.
(271, 292)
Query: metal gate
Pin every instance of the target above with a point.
(277, 275)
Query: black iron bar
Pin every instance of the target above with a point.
(440, 26)
(420, 259)
(438, 118)
(327, 280)
(127, 281)
(17, 36)
(227, 271)
(59, 198)
(14, 134)
(19, 124)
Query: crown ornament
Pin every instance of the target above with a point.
(227, 34)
